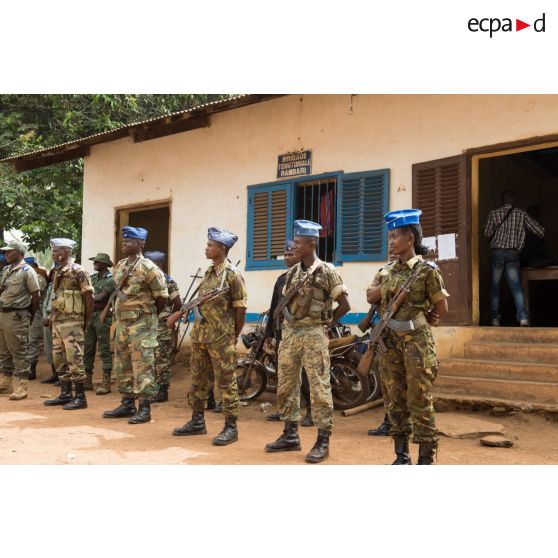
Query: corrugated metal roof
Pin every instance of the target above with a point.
(236, 101)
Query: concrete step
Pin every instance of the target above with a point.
(514, 390)
(544, 353)
(516, 334)
(500, 370)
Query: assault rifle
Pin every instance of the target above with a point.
(377, 332)
(281, 308)
(118, 291)
(195, 303)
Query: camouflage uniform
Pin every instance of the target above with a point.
(18, 283)
(409, 366)
(213, 339)
(36, 329)
(304, 344)
(99, 333)
(71, 283)
(164, 351)
(136, 327)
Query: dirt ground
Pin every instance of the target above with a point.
(33, 434)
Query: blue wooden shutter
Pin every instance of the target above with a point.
(363, 199)
(269, 224)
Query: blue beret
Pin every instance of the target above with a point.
(307, 228)
(221, 235)
(134, 232)
(289, 245)
(402, 218)
(30, 260)
(156, 256)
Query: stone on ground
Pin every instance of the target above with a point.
(496, 442)
(455, 425)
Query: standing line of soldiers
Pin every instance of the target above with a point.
(142, 297)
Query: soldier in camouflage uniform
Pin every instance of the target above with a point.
(36, 329)
(141, 296)
(304, 343)
(47, 330)
(165, 336)
(70, 315)
(409, 366)
(214, 336)
(19, 300)
(98, 334)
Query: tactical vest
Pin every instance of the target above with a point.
(313, 300)
(68, 301)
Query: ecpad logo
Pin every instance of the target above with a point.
(492, 25)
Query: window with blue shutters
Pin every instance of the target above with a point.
(350, 207)
(269, 222)
(363, 199)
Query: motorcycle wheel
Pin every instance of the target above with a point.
(349, 388)
(271, 366)
(256, 381)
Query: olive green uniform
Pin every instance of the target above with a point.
(98, 334)
(136, 327)
(47, 331)
(18, 283)
(36, 328)
(71, 285)
(164, 350)
(304, 343)
(213, 339)
(409, 365)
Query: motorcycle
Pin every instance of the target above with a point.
(258, 370)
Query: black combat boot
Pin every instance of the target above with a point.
(211, 401)
(228, 435)
(126, 409)
(192, 427)
(162, 395)
(53, 378)
(383, 429)
(320, 451)
(426, 453)
(33, 371)
(79, 401)
(64, 397)
(143, 414)
(401, 444)
(288, 441)
(274, 417)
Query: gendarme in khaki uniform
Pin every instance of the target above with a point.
(18, 283)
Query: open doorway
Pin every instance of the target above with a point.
(154, 218)
(533, 176)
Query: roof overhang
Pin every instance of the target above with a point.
(174, 123)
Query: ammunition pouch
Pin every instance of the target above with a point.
(402, 328)
(69, 302)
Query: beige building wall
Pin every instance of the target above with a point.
(205, 172)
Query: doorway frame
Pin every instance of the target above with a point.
(142, 206)
(474, 155)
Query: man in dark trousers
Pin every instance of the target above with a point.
(274, 332)
(505, 229)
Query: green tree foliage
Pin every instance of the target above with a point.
(47, 202)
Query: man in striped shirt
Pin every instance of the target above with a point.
(505, 228)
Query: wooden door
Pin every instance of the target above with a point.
(440, 189)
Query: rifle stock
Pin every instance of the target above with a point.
(173, 318)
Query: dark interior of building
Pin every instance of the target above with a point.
(156, 221)
(533, 176)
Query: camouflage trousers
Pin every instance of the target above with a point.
(305, 347)
(14, 331)
(67, 349)
(98, 335)
(47, 342)
(408, 369)
(215, 362)
(134, 356)
(36, 336)
(164, 353)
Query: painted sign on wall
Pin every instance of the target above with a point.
(294, 164)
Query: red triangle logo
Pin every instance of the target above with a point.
(519, 25)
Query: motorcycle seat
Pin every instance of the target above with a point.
(342, 341)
